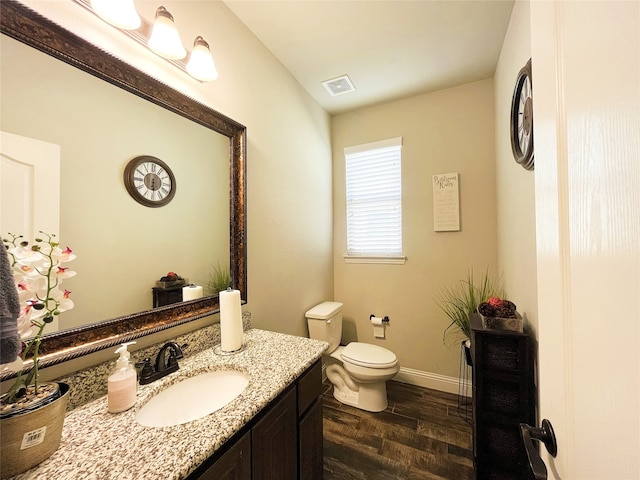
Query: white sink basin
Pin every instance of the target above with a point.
(192, 398)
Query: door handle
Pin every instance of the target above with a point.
(544, 435)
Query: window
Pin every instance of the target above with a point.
(374, 202)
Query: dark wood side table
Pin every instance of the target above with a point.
(166, 296)
(504, 395)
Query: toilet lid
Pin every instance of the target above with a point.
(367, 355)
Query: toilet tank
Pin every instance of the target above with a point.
(325, 323)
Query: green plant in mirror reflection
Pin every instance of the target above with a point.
(219, 280)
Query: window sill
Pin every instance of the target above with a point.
(389, 260)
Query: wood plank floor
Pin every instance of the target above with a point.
(419, 436)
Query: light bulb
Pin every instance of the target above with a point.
(119, 13)
(201, 65)
(165, 39)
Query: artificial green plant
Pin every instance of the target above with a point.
(219, 279)
(460, 300)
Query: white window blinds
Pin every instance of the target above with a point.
(374, 198)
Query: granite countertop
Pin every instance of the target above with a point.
(100, 445)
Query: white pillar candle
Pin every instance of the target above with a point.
(191, 292)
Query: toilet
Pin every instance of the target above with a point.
(358, 371)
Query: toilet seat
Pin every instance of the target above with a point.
(368, 355)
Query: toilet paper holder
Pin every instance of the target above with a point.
(385, 319)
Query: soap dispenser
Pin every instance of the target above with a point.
(121, 385)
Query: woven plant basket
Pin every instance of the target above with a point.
(29, 438)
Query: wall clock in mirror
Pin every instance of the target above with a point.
(149, 181)
(521, 129)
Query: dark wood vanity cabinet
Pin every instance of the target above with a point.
(234, 464)
(504, 395)
(310, 452)
(284, 442)
(274, 442)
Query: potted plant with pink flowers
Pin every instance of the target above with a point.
(32, 412)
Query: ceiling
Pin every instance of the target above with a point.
(390, 49)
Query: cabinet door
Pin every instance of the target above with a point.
(274, 441)
(309, 387)
(310, 445)
(235, 464)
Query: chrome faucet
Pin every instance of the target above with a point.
(164, 364)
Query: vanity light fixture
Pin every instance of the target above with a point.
(161, 37)
(201, 65)
(119, 13)
(165, 38)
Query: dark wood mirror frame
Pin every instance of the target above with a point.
(23, 24)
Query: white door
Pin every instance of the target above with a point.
(586, 90)
(29, 189)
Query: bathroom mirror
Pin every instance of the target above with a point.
(28, 27)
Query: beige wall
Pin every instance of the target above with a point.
(446, 131)
(515, 185)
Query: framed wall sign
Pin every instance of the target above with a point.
(446, 202)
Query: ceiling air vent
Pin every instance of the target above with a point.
(339, 85)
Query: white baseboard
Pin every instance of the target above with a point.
(431, 380)
(425, 379)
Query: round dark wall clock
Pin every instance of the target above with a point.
(149, 181)
(521, 130)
